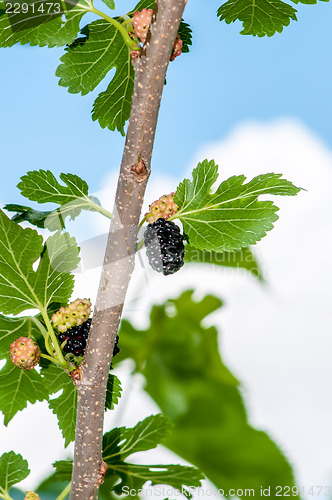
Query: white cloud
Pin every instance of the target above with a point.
(275, 337)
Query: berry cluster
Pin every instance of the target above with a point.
(141, 23)
(164, 207)
(24, 353)
(164, 246)
(75, 314)
(177, 49)
(76, 339)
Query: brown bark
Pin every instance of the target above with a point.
(150, 72)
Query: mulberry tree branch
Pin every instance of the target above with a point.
(150, 72)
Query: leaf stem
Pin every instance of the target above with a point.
(50, 358)
(142, 221)
(5, 495)
(64, 493)
(45, 335)
(51, 334)
(128, 41)
(126, 21)
(99, 209)
(140, 245)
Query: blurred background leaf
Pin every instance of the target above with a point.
(186, 377)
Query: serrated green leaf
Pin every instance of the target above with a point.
(187, 379)
(86, 63)
(146, 435)
(241, 259)
(13, 469)
(52, 282)
(23, 288)
(42, 186)
(44, 28)
(259, 17)
(112, 107)
(113, 392)
(120, 443)
(63, 406)
(18, 387)
(185, 33)
(232, 217)
(19, 249)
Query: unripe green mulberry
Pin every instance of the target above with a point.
(75, 314)
(24, 353)
(31, 495)
(164, 207)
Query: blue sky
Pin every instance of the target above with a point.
(226, 79)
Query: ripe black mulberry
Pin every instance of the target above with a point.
(77, 337)
(164, 246)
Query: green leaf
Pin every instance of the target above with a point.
(122, 442)
(241, 259)
(13, 469)
(185, 33)
(63, 406)
(87, 62)
(308, 2)
(259, 17)
(35, 217)
(185, 375)
(41, 186)
(23, 288)
(18, 387)
(42, 28)
(112, 107)
(143, 4)
(113, 392)
(110, 4)
(146, 435)
(20, 248)
(52, 282)
(64, 469)
(180, 477)
(232, 217)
